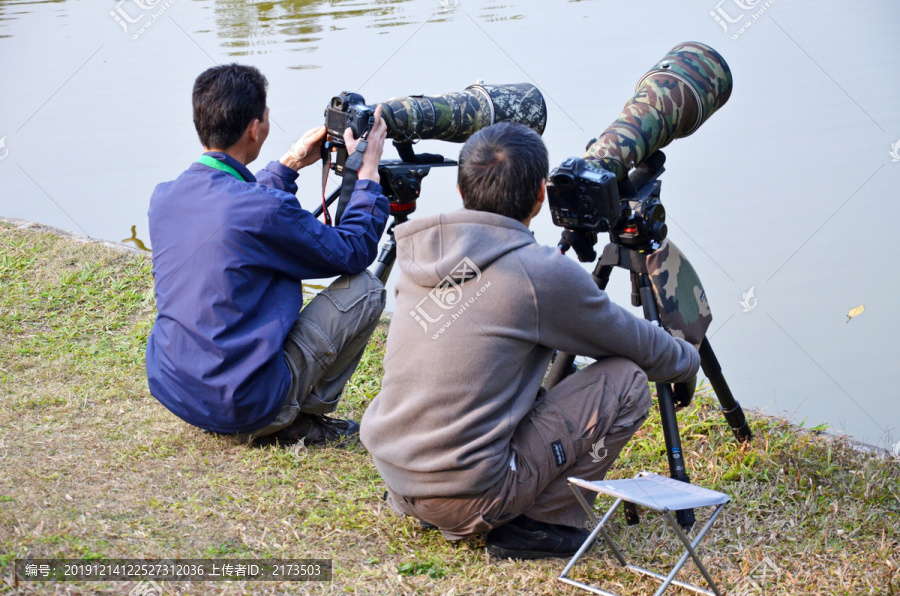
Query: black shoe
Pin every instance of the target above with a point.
(525, 538)
(314, 430)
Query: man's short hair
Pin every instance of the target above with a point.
(501, 169)
(227, 99)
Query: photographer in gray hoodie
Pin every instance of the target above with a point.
(462, 432)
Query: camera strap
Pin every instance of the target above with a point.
(351, 174)
(354, 162)
(326, 166)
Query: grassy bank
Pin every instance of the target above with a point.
(93, 466)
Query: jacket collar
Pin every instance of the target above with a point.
(227, 159)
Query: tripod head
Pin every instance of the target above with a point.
(400, 180)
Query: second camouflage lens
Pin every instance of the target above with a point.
(672, 100)
(456, 116)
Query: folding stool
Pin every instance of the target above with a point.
(658, 493)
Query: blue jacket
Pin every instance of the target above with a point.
(229, 260)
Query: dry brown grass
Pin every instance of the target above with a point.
(93, 466)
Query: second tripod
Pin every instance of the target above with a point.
(638, 245)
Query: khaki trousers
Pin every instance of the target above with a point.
(560, 437)
(325, 345)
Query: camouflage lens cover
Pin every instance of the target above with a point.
(519, 102)
(680, 298)
(456, 116)
(705, 70)
(672, 100)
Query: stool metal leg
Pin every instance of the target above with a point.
(606, 537)
(690, 547)
(690, 551)
(599, 529)
(584, 547)
(591, 538)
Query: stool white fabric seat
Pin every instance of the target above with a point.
(657, 493)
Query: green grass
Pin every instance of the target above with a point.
(94, 467)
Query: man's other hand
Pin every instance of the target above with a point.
(683, 393)
(306, 151)
(375, 147)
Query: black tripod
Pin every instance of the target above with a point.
(632, 242)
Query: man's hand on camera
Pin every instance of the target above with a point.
(306, 151)
(373, 150)
(683, 393)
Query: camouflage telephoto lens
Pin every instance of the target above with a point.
(672, 100)
(456, 116)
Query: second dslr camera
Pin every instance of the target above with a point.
(348, 110)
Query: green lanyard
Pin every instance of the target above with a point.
(215, 163)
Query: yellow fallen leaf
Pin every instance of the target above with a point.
(855, 312)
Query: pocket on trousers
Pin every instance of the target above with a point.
(551, 445)
(316, 347)
(346, 292)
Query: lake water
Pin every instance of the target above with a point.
(789, 190)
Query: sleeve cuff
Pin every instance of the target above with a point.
(282, 171)
(369, 185)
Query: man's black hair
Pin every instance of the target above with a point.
(501, 168)
(227, 99)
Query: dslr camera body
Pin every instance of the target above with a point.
(586, 200)
(582, 198)
(348, 110)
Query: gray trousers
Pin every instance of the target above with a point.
(325, 345)
(608, 400)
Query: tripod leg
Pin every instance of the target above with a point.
(666, 403)
(731, 409)
(560, 369)
(674, 453)
(386, 257)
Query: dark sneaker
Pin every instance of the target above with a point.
(314, 430)
(525, 538)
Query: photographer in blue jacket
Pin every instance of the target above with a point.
(231, 351)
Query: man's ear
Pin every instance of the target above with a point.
(539, 201)
(252, 132)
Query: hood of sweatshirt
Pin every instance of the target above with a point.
(431, 248)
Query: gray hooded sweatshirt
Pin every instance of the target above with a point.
(480, 308)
